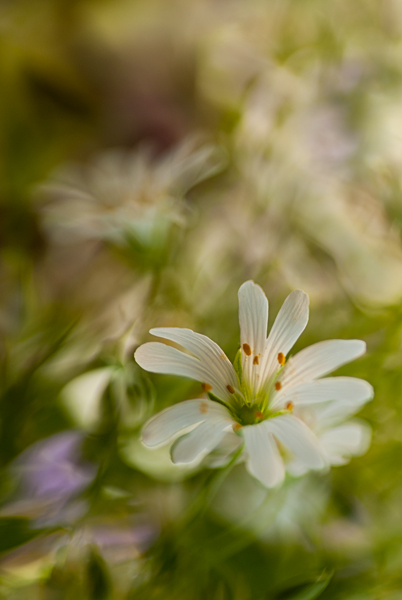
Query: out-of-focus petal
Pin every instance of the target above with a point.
(349, 439)
(295, 435)
(82, 396)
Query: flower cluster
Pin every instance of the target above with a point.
(287, 415)
(124, 195)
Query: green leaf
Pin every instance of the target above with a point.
(312, 591)
(98, 579)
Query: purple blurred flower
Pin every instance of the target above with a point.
(51, 474)
(52, 467)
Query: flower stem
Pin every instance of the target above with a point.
(203, 500)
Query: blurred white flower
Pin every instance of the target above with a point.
(287, 513)
(340, 438)
(125, 196)
(256, 396)
(366, 248)
(295, 152)
(82, 396)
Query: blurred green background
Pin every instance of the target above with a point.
(153, 156)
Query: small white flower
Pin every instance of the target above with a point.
(261, 397)
(124, 194)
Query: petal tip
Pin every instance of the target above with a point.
(250, 286)
(247, 285)
(361, 347)
(155, 331)
(160, 331)
(139, 356)
(136, 354)
(301, 294)
(146, 438)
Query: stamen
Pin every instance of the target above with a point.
(247, 349)
(237, 426)
(256, 360)
(230, 388)
(281, 359)
(289, 406)
(278, 385)
(203, 408)
(206, 387)
(259, 414)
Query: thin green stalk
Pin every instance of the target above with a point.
(202, 502)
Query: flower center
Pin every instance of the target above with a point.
(250, 415)
(249, 408)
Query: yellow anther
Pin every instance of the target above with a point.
(230, 388)
(206, 387)
(278, 385)
(281, 359)
(247, 349)
(256, 360)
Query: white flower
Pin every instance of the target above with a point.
(261, 396)
(124, 194)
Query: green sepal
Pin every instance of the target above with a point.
(227, 406)
(216, 399)
(279, 413)
(238, 367)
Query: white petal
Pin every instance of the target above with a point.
(201, 441)
(167, 424)
(160, 358)
(295, 435)
(286, 330)
(319, 359)
(296, 467)
(264, 461)
(349, 439)
(348, 389)
(329, 414)
(207, 351)
(253, 318)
